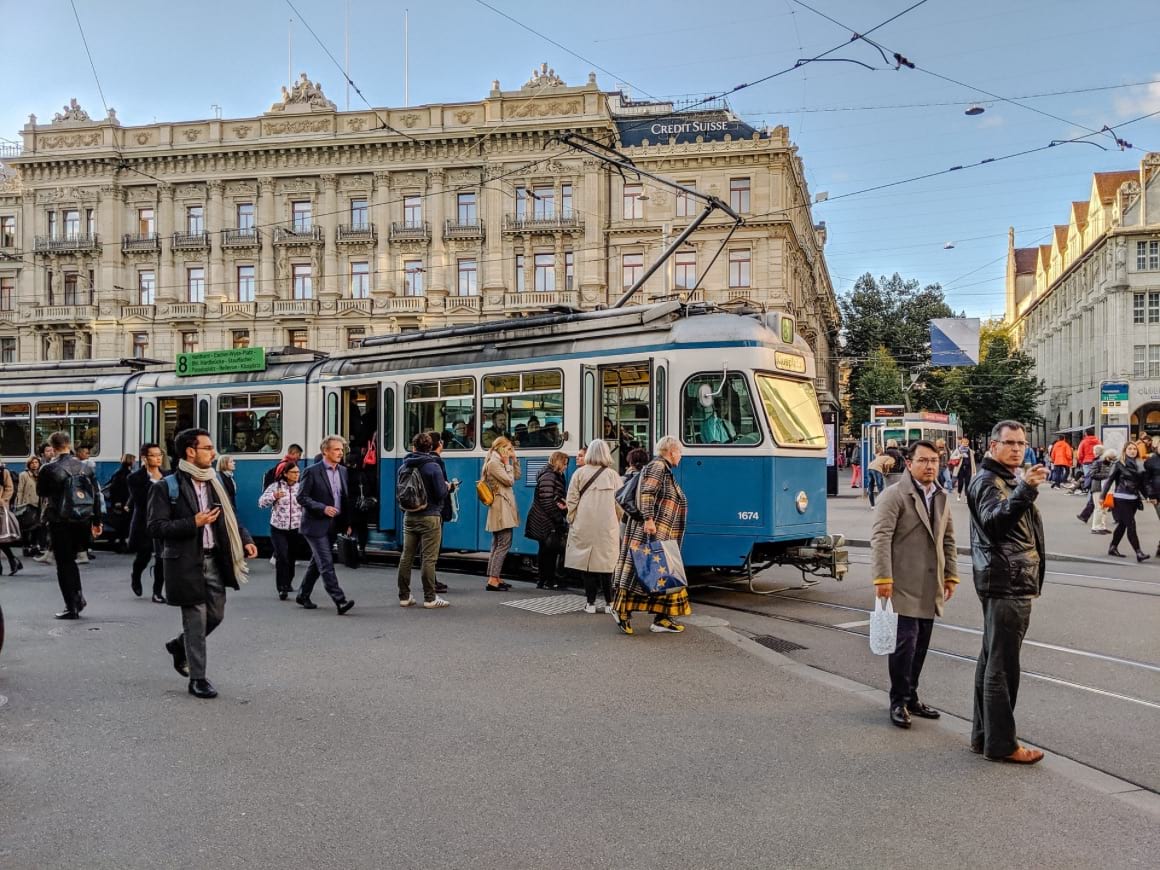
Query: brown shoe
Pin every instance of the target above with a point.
(1023, 755)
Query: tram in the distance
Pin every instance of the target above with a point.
(735, 388)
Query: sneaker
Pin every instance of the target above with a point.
(43, 557)
(625, 626)
(82, 558)
(438, 602)
(409, 601)
(589, 608)
(273, 562)
(664, 625)
(607, 608)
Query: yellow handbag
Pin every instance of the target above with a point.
(486, 496)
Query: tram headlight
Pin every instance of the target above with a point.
(802, 501)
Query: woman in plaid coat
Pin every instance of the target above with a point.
(664, 507)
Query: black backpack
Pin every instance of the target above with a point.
(77, 500)
(628, 497)
(412, 491)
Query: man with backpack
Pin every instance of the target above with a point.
(73, 512)
(422, 490)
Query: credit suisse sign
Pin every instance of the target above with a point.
(709, 127)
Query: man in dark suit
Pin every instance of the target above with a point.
(325, 498)
(203, 549)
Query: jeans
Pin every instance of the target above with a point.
(501, 542)
(875, 483)
(1005, 622)
(425, 535)
(548, 559)
(322, 564)
(287, 546)
(67, 540)
(199, 620)
(907, 659)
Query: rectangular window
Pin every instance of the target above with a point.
(146, 287)
(1154, 360)
(1140, 361)
(544, 206)
(569, 270)
(68, 346)
(51, 224)
(81, 420)
(250, 423)
(468, 285)
(189, 341)
(1138, 307)
(739, 268)
(685, 270)
(355, 336)
(1153, 306)
(632, 206)
(245, 215)
(1148, 255)
(739, 194)
(446, 406)
(245, 283)
(527, 407)
(8, 355)
(7, 231)
(686, 204)
(297, 338)
(302, 216)
(195, 284)
(15, 417)
(72, 224)
(412, 210)
(146, 222)
(195, 219)
(140, 345)
(632, 267)
(465, 209)
(545, 275)
(90, 223)
(566, 200)
(70, 289)
(239, 338)
(521, 275)
(303, 281)
(7, 293)
(521, 203)
(358, 214)
(730, 419)
(413, 277)
(792, 410)
(360, 280)
(50, 286)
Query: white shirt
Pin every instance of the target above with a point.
(928, 492)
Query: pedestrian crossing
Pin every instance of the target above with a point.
(552, 605)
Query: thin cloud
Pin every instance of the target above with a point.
(992, 121)
(1140, 101)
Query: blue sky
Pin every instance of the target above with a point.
(175, 64)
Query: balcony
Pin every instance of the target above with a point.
(246, 309)
(146, 312)
(356, 234)
(727, 295)
(64, 314)
(290, 236)
(187, 311)
(190, 241)
(355, 306)
(556, 224)
(407, 304)
(246, 237)
(540, 299)
(468, 230)
(411, 232)
(144, 243)
(296, 308)
(75, 244)
(472, 302)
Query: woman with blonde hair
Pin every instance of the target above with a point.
(501, 469)
(594, 524)
(225, 469)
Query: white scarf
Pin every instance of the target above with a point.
(237, 553)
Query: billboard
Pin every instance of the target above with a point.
(954, 341)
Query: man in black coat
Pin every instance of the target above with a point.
(140, 541)
(203, 549)
(324, 494)
(1010, 562)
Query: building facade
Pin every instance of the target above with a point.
(311, 227)
(1087, 305)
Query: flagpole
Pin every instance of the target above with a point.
(406, 61)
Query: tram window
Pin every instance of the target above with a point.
(389, 419)
(446, 406)
(250, 423)
(625, 422)
(16, 429)
(527, 407)
(793, 412)
(726, 418)
(913, 435)
(81, 420)
(176, 414)
(662, 410)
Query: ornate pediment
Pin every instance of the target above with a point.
(71, 114)
(541, 109)
(544, 77)
(303, 96)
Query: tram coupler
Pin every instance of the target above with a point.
(825, 555)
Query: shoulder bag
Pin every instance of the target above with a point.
(482, 489)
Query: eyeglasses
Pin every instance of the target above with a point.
(933, 460)
(204, 447)
(1013, 443)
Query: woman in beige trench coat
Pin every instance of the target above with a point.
(594, 524)
(501, 470)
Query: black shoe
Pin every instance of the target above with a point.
(306, 603)
(899, 716)
(15, 566)
(440, 588)
(919, 709)
(135, 585)
(505, 586)
(282, 594)
(1112, 551)
(159, 599)
(540, 585)
(81, 603)
(202, 689)
(1141, 556)
(67, 614)
(502, 587)
(344, 606)
(177, 650)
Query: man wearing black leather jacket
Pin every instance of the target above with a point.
(1009, 561)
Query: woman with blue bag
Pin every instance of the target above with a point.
(649, 564)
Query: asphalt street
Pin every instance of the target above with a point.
(487, 736)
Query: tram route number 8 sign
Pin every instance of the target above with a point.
(221, 362)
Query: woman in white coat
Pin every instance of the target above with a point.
(594, 523)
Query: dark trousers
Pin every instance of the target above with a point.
(67, 540)
(141, 562)
(321, 564)
(422, 535)
(1124, 512)
(287, 545)
(548, 559)
(962, 480)
(1005, 622)
(875, 483)
(596, 580)
(199, 620)
(907, 659)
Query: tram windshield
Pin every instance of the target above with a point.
(792, 408)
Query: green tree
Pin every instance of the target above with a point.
(893, 313)
(878, 382)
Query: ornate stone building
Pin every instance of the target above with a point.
(312, 227)
(1087, 305)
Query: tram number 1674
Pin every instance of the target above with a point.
(749, 515)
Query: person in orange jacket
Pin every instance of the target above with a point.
(1061, 461)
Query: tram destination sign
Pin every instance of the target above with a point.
(221, 362)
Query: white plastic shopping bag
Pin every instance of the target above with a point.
(883, 628)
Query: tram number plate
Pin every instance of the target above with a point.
(748, 515)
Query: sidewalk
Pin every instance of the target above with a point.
(1067, 539)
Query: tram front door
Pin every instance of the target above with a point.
(620, 408)
(358, 424)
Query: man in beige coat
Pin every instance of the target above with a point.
(912, 550)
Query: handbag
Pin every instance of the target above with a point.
(883, 628)
(348, 551)
(658, 566)
(10, 531)
(1109, 501)
(486, 496)
(365, 504)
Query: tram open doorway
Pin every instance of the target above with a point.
(622, 410)
(358, 423)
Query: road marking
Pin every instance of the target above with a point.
(858, 624)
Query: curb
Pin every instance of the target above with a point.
(1104, 783)
(1053, 557)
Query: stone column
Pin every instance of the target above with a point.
(440, 279)
(219, 283)
(492, 210)
(331, 286)
(559, 263)
(384, 281)
(268, 288)
(591, 267)
(110, 220)
(167, 289)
